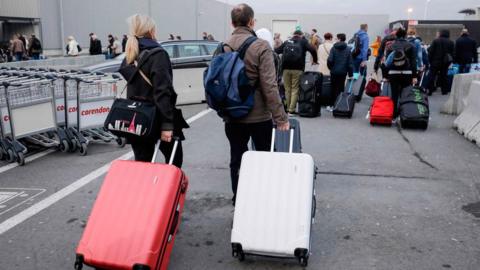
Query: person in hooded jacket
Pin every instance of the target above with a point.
(440, 54)
(402, 67)
(153, 82)
(340, 63)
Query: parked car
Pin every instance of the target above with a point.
(189, 60)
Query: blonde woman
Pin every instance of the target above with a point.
(148, 69)
(72, 47)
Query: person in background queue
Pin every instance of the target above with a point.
(440, 54)
(340, 63)
(465, 52)
(294, 52)
(402, 67)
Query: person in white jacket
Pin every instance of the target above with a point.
(72, 46)
(323, 53)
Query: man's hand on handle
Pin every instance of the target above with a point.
(284, 126)
(166, 136)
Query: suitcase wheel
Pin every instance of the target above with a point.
(302, 254)
(79, 262)
(303, 262)
(237, 252)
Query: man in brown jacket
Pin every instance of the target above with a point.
(17, 49)
(260, 69)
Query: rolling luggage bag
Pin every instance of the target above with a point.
(135, 217)
(275, 205)
(345, 103)
(309, 96)
(359, 87)
(326, 95)
(381, 111)
(414, 108)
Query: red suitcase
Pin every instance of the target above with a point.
(381, 112)
(135, 217)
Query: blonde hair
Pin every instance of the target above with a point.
(140, 26)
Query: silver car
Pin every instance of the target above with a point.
(189, 60)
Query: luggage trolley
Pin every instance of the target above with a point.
(94, 96)
(29, 109)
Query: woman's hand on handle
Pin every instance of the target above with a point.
(166, 136)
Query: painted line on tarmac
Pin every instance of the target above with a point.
(57, 196)
(27, 159)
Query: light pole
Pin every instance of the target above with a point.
(426, 9)
(409, 12)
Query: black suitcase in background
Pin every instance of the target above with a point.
(345, 103)
(309, 96)
(326, 94)
(359, 87)
(414, 109)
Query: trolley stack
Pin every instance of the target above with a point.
(60, 109)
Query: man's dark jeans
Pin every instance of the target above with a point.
(239, 135)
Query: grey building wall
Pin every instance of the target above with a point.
(333, 23)
(187, 18)
(19, 8)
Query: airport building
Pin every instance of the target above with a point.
(54, 20)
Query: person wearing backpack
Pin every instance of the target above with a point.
(401, 64)
(340, 63)
(360, 51)
(440, 54)
(148, 70)
(294, 52)
(260, 70)
(385, 50)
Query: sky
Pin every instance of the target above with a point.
(396, 9)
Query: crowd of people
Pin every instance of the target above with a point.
(401, 56)
(21, 48)
(339, 59)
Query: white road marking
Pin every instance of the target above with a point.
(40, 192)
(57, 196)
(198, 116)
(28, 159)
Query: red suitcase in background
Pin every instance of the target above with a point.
(135, 217)
(381, 112)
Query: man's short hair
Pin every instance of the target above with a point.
(411, 32)
(314, 30)
(242, 15)
(363, 26)
(401, 33)
(328, 36)
(342, 37)
(298, 33)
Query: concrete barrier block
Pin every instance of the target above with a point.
(468, 123)
(459, 95)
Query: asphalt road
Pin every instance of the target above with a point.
(386, 199)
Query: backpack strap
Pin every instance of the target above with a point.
(243, 49)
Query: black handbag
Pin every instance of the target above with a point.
(134, 118)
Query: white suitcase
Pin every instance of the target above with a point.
(275, 206)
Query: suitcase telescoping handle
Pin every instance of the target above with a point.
(290, 145)
(174, 150)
